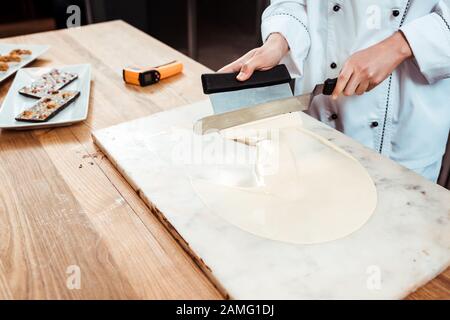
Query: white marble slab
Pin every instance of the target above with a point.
(405, 244)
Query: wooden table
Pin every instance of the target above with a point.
(63, 204)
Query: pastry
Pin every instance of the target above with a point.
(10, 58)
(21, 52)
(3, 66)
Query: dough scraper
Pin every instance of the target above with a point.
(266, 94)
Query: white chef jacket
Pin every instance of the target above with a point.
(407, 117)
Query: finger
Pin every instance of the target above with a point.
(375, 83)
(352, 85)
(255, 63)
(371, 87)
(362, 88)
(343, 79)
(232, 67)
(237, 65)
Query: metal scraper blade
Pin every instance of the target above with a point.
(250, 114)
(229, 101)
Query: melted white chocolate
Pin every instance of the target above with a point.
(307, 190)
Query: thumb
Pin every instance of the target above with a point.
(249, 67)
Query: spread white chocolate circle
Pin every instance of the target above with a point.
(307, 191)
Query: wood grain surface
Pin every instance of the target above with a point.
(63, 204)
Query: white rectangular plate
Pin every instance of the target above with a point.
(5, 48)
(15, 103)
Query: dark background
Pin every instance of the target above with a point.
(224, 29)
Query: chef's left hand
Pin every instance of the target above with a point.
(366, 69)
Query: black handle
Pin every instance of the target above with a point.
(329, 86)
(225, 82)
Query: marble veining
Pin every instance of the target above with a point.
(405, 244)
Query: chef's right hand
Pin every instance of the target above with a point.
(263, 58)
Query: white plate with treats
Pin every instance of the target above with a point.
(32, 103)
(10, 63)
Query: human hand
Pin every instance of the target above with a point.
(263, 58)
(366, 69)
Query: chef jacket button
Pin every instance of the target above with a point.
(396, 12)
(333, 65)
(374, 124)
(336, 8)
(334, 116)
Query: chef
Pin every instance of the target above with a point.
(392, 60)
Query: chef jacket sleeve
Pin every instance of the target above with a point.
(429, 38)
(289, 18)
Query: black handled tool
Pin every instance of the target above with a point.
(264, 95)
